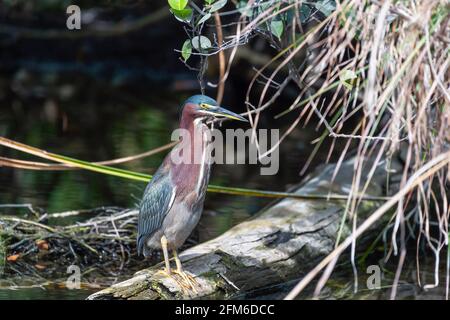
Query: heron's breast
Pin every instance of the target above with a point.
(193, 176)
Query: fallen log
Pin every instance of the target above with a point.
(277, 245)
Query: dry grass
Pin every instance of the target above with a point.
(386, 62)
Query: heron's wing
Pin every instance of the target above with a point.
(158, 198)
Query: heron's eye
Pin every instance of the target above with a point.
(204, 106)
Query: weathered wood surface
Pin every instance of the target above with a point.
(277, 245)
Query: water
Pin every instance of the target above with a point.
(44, 294)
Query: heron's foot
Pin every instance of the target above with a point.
(164, 272)
(186, 281)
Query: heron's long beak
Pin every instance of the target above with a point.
(219, 111)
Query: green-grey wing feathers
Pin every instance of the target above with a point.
(156, 202)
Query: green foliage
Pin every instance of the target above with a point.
(347, 78)
(204, 18)
(217, 5)
(179, 10)
(305, 13)
(184, 15)
(243, 9)
(200, 43)
(211, 7)
(276, 27)
(282, 16)
(325, 6)
(186, 50)
(177, 4)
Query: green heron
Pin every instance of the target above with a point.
(173, 200)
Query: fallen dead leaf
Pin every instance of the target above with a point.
(13, 258)
(42, 244)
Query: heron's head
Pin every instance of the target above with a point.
(206, 107)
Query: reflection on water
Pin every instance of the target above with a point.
(125, 134)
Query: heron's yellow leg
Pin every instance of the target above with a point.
(189, 281)
(177, 261)
(165, 253)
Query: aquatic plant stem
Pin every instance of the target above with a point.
(145, 177)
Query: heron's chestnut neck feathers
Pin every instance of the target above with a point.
(187, 175)
(188, 116)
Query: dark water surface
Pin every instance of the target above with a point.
(44, 294)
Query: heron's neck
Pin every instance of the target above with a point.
(187, 121)
(196, 139)
(193, 125)
(193, 174)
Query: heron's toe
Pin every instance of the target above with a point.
(187, 281)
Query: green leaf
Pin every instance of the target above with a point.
(178, 4)
(244, 8)
(347, 78)
(204, 18)
(184, 15)
(186, 50)
(218, 5)
(208, 2)
(200, 43)
(262, 7)
(276, 27)
(326, 6)
(305, 13)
